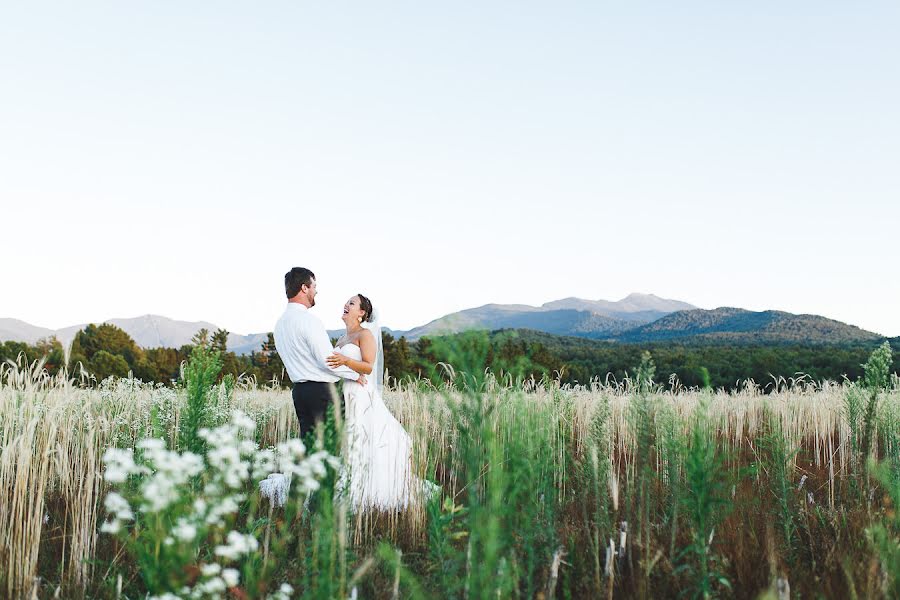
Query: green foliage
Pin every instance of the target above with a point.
(107, 338)
(195, 525)
(201, 338)
(49, 349)
(200, 374)
(461, 359)
(597, 469)
(642, 421)
(726, 365)
(705, 380)
(518, 354)
(510, 498)
(777, 459)
(398, 365)
(322, 551)
(508, 509)
(877, 378)
(643, 376)
(525, 475)
(706, 502)
(219, 340)
(446, 528)
(266, 364)
(466, 357)
(885, 536)
(104, 364)
(878, 368)
(404, 578)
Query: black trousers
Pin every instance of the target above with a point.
(311, 399)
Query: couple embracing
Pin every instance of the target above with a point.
(377, 469)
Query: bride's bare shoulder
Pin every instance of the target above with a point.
(365, 334)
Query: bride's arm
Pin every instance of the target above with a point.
(367, 349)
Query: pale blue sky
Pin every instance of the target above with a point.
(178, 158)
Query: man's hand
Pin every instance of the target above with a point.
(336, 360)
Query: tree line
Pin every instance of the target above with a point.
(101, 351)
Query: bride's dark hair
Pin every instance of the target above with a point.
(366, 305)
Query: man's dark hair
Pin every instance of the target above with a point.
(366, 305)
(295, 279)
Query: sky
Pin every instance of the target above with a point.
(177, 158)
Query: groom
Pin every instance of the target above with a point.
(303, 345)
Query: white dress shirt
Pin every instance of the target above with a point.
(303, 345)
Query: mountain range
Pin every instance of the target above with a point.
(569, 316)
(637, 318)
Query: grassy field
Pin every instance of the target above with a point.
(617, 491)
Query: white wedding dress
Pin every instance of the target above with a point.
(378, 467)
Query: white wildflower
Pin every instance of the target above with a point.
(226, 506)
(264, 463)
(173, 471)
(118, 506)
(184, 530)
(213, 587)
(231, 577)
(283, 593)
(210, 570)
(199, 506)
(119, 464)
(112, 527)
(159, 493)
(242, 421)
(151, 444)
(237, 545)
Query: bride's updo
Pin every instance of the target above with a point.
(366, 305)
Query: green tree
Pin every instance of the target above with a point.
(167, 362)
(201, 338)
(397, 359)
(105, 364)
(114, 341)
(220, 340)
(48, 349)
(267, 363)
(106, 336)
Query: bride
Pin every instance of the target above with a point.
(378, 470)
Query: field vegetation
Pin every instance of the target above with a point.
(610, 488)
(105, 350)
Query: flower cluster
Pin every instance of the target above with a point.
(171, 472)
(200, 496)
(118, 507)
(238, 545)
